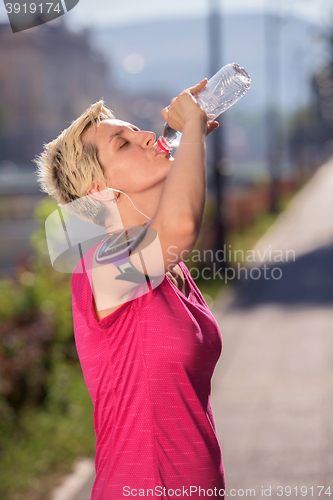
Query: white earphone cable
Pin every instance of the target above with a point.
(130, 201)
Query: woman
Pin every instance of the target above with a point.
(147, 353)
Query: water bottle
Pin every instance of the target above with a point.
(222, 91)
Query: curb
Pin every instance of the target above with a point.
(72, 485)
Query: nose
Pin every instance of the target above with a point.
(147, 139)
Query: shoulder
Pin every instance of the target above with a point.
(114, 278)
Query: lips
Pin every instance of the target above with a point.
(159, 152)
(163, 153)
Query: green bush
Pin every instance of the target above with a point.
(46, 414)
(36, 329)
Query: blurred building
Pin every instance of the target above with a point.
(49, 76)
(285, 48)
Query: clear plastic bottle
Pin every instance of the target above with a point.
(222, 91)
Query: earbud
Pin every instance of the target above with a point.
(130, 201)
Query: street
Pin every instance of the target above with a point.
(273, 385)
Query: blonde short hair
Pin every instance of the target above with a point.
(67, 167)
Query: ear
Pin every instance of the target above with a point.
(101, 194)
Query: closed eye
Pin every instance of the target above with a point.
(124, 144)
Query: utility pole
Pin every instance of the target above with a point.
(215, 44)
(273, 122)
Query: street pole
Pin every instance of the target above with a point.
(273, 122)
(215, 43)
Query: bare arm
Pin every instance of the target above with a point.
(179, 214)
(184, 193)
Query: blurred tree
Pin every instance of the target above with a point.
(311, 128)
(323, 90)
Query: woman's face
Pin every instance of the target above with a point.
(128, 156)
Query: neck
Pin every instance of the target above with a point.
(128, 216)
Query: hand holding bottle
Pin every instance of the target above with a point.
(185, 107)
(217, 95)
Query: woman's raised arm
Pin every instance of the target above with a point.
(179, 214)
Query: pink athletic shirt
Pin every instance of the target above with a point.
(148, 368)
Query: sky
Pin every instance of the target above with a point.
(101, 13)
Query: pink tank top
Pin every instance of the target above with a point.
(148, 368)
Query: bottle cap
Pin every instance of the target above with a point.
(162, 146)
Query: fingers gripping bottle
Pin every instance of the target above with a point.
(222, 91)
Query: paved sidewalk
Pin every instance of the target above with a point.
(272, 388)
(272, 391)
